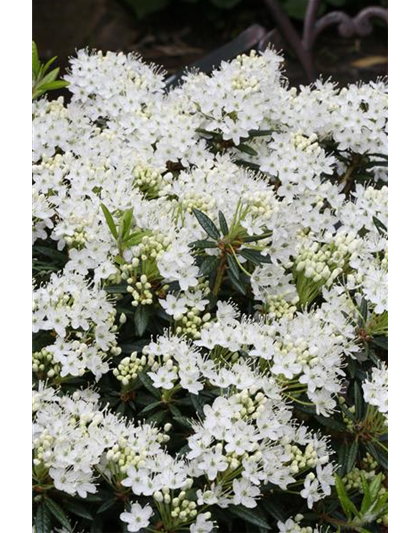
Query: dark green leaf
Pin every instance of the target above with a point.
(233, 266)
(381, 342)
(58, 512)
(254, 256)
(142, 316)
(358, 400)
(380, 226)
(238, 284)
(273, 509)
(43, 519)
(207, 224)
(106, 505)
(223, 224)
(183, 421)
(110, 221)
(116, 289)
(208, 265)
(351, 455)
(249, 515)
(78, 509)
(246, 149)
(203, 244)
(148, 384)
(150, 407)
(330, 423)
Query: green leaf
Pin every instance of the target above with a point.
(148, 384)
(36, 64)
(57, 84)
(207, 224)
(233, 266)
(249, 515)
(260, 133)
(116, 289)
(346, 504)
(377, 455)
(50, 77)
(246, 149)
(237, 283)
(125, 223)
(150, 407)
(380, 226)
(142, 316)
(254, 256)
(223, 224)
(208, 265)
(358, 400)
(43, 519)
(203, 244)
(367, 499)
(78, 509)
(330, 423)
(381, 342)
(106, 505)
(351, 456)
(110, 221)
(133, 239)
(273, 509)
(58, 512)
(375, 486)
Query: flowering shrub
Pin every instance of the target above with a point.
(210, 301)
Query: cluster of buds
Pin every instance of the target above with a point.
(43, 364)
(191, 323)
(306, 144)
(78, 239)
(259, 203)
(301, 460)
(129, 369)
(152, 246)
(123, 454)
(194, 200)
(305, 354)
(149, 181)
(252, 403)
(353, 480)
(276, 307)
(325, 262)
(179, 507)
(346, 419)
(42, 451)
(140, 290)
(293, 525)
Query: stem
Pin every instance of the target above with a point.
(219, 275)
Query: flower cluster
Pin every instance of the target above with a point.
(210, 298)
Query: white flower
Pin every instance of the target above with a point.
(202, 524)
(245, 493)
(138, 517)
(375, 389)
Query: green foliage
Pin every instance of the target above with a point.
(42, 80)
(373, 506)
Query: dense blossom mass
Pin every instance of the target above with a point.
(210, 297)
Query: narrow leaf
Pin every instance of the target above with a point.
(233, 266)
(142, 316)
(249, 515)
(110, 221)
(207, 224)
(223, 223)
(208, 265)
(58, 512)
(351, 455)
(43, 519)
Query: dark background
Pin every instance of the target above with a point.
(175, 33)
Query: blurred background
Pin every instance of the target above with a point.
(179, 33)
